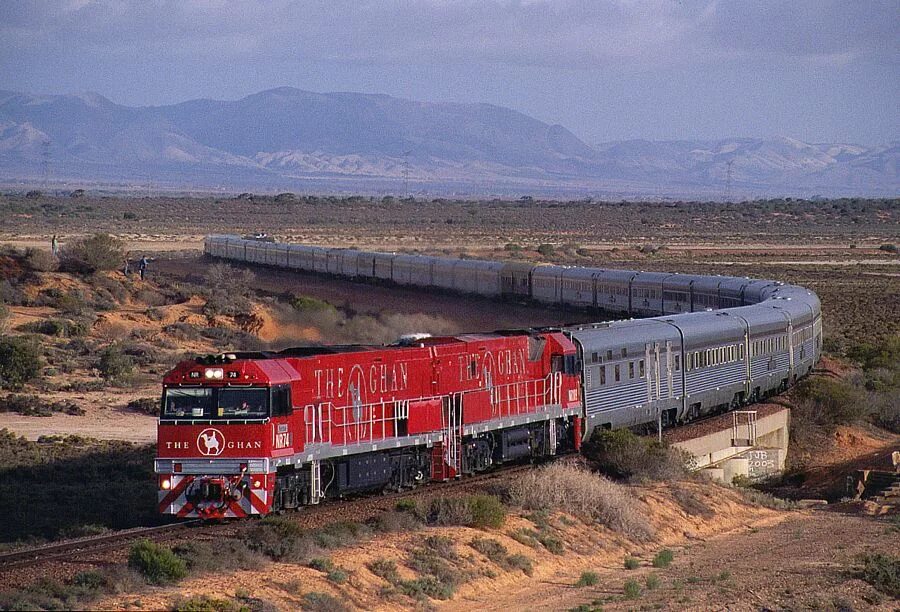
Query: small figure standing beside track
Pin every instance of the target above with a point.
(142, 265)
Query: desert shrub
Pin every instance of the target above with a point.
(283, 540)
(141, 354)
(588, 579)
(304, 303)
(226, 290)
(60, 328)
(395, 521)
(92, 254)
(652, 582)
(385, 569)
(321, 564)
(631, 589)
(886, 407)
(20, 362)
(663, 558)
(833, 402)
(158, 564)
(182, 331)
(525, 537)
(622, 454)
(882, 572)
(40, 260)
(512, 246)
(11, 294)
(202, 603)
(520, 562)
(226, 554)
(631, 563)
(4, 316)
(492, 549)
(889, 248)
(32, 405)
(442, 546)
(114, 364)
(145, 405)
(323, 602)
(426, 586)
(580, 492)
(766, 500)
(337, 576)
(481, 511)
(546, 250)
(48, 594)
(551, 543)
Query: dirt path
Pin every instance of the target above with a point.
(799, 563)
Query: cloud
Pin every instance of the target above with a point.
(568, 34)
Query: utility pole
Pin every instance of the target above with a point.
(728, 166)
(406, 174)
(45, 163)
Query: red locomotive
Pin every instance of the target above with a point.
(253, 433)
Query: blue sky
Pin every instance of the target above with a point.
(657, 69)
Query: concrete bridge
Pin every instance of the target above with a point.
(750, 443)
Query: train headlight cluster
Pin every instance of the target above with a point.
(214, 373)
(166, 484)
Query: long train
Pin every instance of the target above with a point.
(252, 433)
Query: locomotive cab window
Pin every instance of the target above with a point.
(281, 400)
(209, 403)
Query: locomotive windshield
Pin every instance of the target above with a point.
(216, 403)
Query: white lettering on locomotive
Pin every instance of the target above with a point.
(380, 378)
(478, 366)
(283, 440)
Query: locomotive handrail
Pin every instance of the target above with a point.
(519, 397)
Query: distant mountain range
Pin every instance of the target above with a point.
(289, 139)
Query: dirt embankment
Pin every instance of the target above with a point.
(727, 552)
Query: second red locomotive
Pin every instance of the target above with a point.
(251, 433)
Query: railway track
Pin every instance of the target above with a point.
(65, 559)
(92, 544)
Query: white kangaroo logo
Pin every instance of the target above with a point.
(210, 439)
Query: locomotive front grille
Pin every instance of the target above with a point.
(211, 466)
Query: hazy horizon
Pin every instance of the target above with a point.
(617, 70)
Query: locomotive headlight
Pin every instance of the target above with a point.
(215, 373)
(166, 484)
(257, 484)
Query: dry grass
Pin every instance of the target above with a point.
(582, 493)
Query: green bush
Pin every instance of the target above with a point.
(835, 402)
(323, 602)
(114, 364)
(663, 558)
(158, 564)
(481, 511)
(487, 511)
(631, 589)
(622, 454)
(19, 362)
(202, 603)
(546, 250)
(92, 254)
(304, 303)
(882, 572)
(631, 563)
(587, 579)
(652, 582)
(60, 328)
(145, 405)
